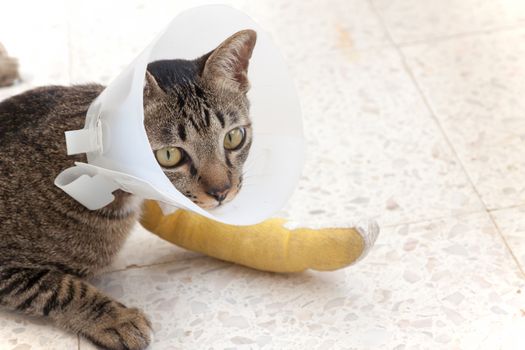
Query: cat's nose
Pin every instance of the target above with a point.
(219, 193)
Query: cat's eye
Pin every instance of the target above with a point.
(234, 139)
(169, 157)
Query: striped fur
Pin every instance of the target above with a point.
(50, 244)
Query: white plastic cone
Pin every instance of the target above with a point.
(117, 147)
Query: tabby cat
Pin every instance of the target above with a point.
(196, 118)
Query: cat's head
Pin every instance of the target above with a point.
(196, 115)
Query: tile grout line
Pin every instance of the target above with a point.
(507, 207)
(431, 219)
(444, 134)
(506, 243)
(442, 217)
(136, 267)
(450, 37)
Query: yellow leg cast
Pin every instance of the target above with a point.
(267, 246)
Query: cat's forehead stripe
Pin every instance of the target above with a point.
(182, 132)
(206, 116)
(181, 101)
(220, 116)
(198, 91)
(194, 124)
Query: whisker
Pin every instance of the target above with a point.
(249, 186)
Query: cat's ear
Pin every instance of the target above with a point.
(151, 87)
(227, 65)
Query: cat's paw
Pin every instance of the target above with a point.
(121, 328)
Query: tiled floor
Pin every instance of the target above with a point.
(414, 114)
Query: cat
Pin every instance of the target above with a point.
(196, 116)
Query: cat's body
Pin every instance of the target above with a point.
(49, 243)
(27, 189)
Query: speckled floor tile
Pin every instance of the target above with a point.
(317, 27)
(102, 43)
(448, 284)
(23, 333)
(373, 147)
(511, 222)
(416, 20)
(476, 87)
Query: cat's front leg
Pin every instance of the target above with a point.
(74, 305)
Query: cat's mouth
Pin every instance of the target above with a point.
(210, 200)
(213, 203)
